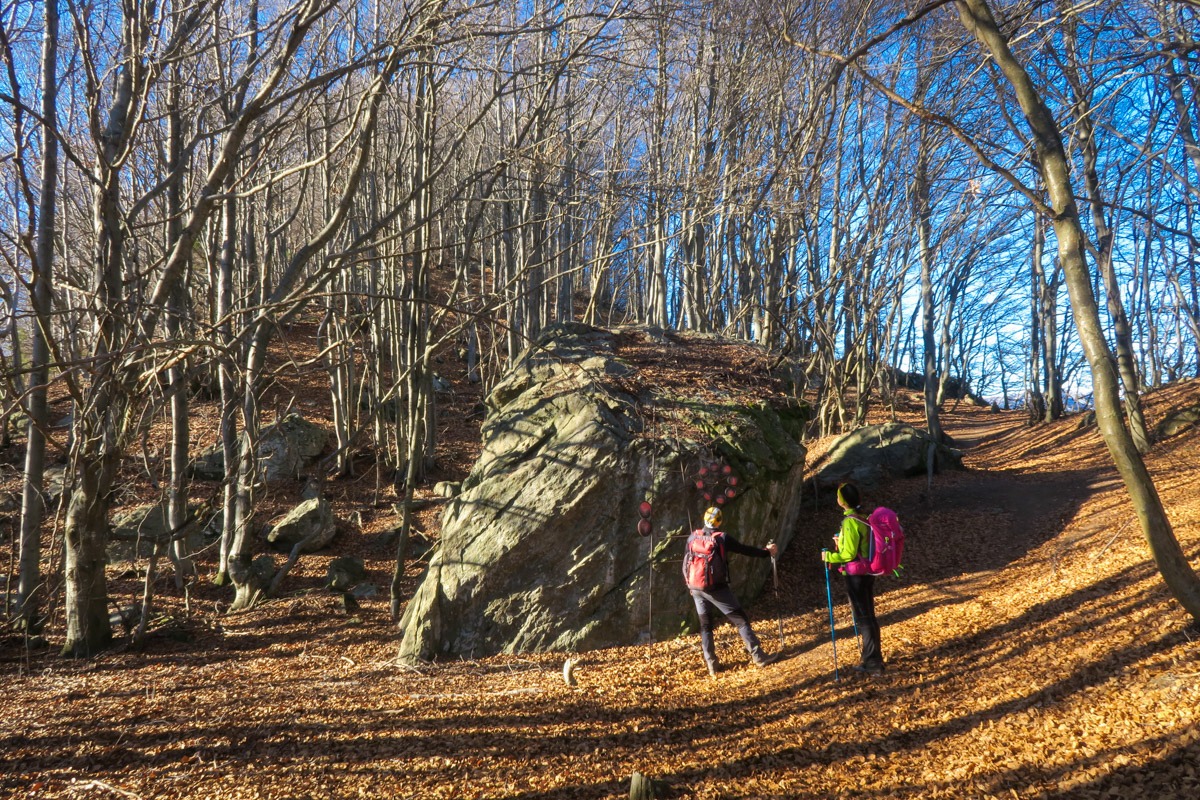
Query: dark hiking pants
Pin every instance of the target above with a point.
(722, 599)
(861, 589)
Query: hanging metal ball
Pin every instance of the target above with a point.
(645, 508)
(644, 527)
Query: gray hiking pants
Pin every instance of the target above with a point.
(722, 599)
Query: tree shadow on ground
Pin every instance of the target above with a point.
(375, 742)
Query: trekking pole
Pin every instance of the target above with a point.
(779, 613)
(832, 630)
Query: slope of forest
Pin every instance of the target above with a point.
(1032, 652)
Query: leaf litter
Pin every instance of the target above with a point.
(1032, 650)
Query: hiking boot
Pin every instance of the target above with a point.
(872, 668)
(713, 668)
(762, 659)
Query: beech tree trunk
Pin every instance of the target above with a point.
(33, 503)
(925, 234)
(1180, 578)
(1085, 139)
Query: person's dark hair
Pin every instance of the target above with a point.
(849, 493)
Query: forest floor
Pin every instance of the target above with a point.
(1032, 651)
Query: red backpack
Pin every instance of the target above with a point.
(885, 545)
(704, 565)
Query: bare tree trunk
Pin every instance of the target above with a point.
(1036, 401)
(229, 384)
(924, 213)
(420, 384)
(1051, 374)
(1177, 573)
(1086, 142)
(33, 503)
(99, 418)
(177, 379)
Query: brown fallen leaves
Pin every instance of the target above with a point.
(1032, 652)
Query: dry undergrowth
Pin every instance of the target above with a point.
(1032, 652)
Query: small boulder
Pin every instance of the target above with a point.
(345, 573)
(55, 480)
(136, 530)
(285, 449)
(870, 455)
(1178, 421)
(447, 488)
(289, 446)
(310, 525)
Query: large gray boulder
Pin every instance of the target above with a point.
(870, 456)
(285, 450)
(540, 549)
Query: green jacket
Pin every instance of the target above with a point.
(850, 540)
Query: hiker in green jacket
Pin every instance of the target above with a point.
(850, 560)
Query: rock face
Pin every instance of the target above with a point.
(540, 549)
(870, 455)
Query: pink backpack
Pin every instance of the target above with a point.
(885, 545)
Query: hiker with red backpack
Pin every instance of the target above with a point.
(706, 572)
(866, 547)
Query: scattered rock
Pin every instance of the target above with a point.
(642, 787)
(870, 455)
(310, 525)
(136, 531)
(285, 449)
(569, 671)
(126, 618)
(1178, 421)
(54, 479)
(447, 488)
(345, 572)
